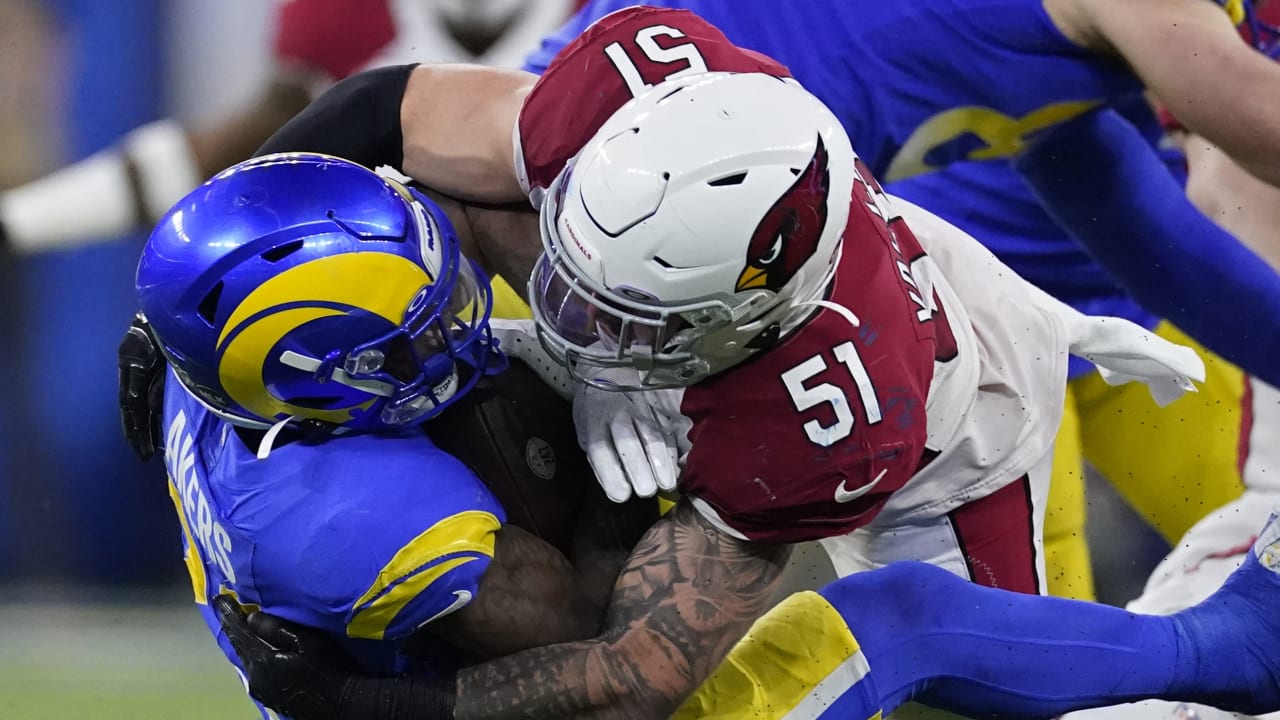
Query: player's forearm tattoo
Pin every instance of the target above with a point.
(686, 595)
(606, 535)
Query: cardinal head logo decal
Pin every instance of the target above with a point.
(788, 235)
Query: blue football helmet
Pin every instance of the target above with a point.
(305, 287)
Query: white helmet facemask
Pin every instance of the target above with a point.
(592, 328)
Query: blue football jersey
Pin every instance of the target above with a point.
(367, 537)
(990, 201)
(934, 95)
(918, 85)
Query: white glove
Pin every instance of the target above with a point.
(628, 445)
(1125, 351)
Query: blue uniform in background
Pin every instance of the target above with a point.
(367, 537)
(990, 201)
(918, 85)
(922, 85)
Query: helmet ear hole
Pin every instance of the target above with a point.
(208, 308)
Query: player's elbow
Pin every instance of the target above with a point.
(1250, 133)
(1262, 165)
(1254, 146)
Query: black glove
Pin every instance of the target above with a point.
(141, 388)
(300, 672)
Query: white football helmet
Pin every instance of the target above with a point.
(696, 227)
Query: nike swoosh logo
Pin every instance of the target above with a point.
(460, 598)
(844, 496)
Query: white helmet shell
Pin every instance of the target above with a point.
(701, 213)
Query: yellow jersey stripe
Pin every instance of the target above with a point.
(195, 566)
(403, 578)
(782, 661)
(848, 674)
(371, 622)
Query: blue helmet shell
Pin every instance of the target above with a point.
(302, 286)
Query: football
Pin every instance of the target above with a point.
(517, 435)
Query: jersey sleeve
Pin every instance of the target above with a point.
(615, 58)
(393, 534)
(335, 37)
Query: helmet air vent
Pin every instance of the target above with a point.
(670, 95)
(359, 235)
(280, 252)
(734, 179)
(208, 308)
(669, 266)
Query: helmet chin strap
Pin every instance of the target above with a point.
(835, 307)
(269, 439)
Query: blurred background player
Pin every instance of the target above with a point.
(923, 137)
(316, 42)
(1215, 546)
(1168, 484)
